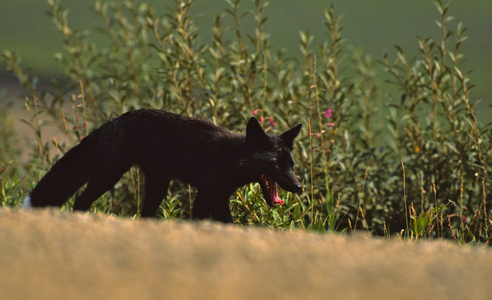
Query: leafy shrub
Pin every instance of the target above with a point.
(366, 162)
(10, 190)
(9, 151)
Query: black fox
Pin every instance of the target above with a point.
(165, 146)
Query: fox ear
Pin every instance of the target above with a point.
(289, 136)
(255, 135)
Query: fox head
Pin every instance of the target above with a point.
(270, 160)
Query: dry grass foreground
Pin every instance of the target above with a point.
(50, 255)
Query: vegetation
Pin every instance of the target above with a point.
(413, 164)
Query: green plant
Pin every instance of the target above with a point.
(357, 144)
(9, 147)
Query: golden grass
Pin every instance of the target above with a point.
(50, 255)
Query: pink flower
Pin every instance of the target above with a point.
(255, 112)
(328, 113)
(272, 123)
(331, 124)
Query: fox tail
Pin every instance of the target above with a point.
(66, 176)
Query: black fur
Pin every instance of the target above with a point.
(165, 146)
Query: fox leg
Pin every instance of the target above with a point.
(96, 187)
(155, 191)
(208, 205)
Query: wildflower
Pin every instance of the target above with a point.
(255, 112)
(417, 149)
(331, 124)
(465, 219)
(328, 113)
(272, 122)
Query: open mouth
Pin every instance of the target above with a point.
(269, 188)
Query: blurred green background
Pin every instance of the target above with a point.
(374, 26)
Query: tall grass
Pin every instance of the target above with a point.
(367, 160)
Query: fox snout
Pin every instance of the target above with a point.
(294, 188)
(290, 183)
(297, 188)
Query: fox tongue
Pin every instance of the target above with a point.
(274, 194)
(271, 188)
